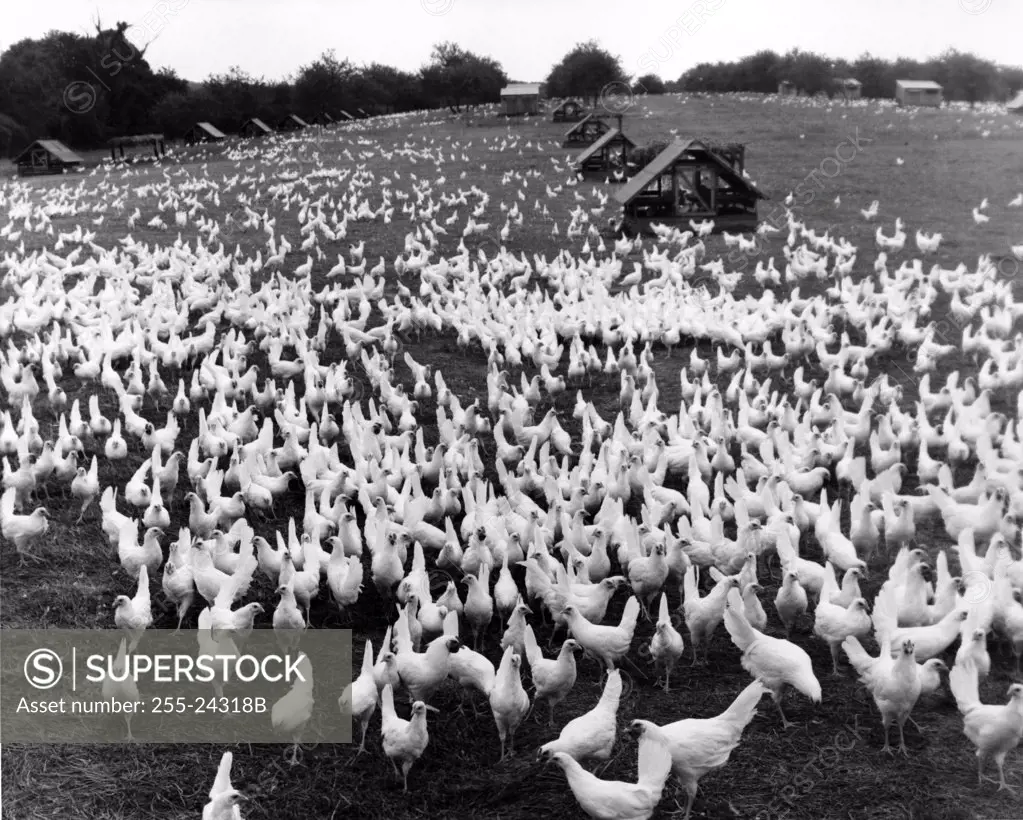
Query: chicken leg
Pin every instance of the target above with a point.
(23, 554)
(887, 748)
(1000, 763)
(834, 660)
(902, 740)
(785, 722)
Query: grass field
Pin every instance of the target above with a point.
(830, 764)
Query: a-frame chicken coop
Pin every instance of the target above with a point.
(690, 179)
(292, 122)
(203, 132)
(607, 157)
(255, 128)
(585, 132)
(568, 111)
(47, 157)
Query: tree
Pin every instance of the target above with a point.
(649, 84)
(392, 89)
(237, 96)
(80, 89)
(584, 72)
(966, 77)
(324, 84)
(875, 74)
(809, 72)
(456, 77)
(698, 78)
(178, 111)
(1011, 79)
(759, 72)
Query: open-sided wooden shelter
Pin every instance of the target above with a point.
(155, 141)
(568, 111)
(46, 157)
(690, 180)
(585, 132)
(204, 132)
(609, 154)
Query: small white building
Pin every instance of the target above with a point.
(521, 98)
(918, 92)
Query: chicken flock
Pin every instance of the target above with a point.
(783, 464)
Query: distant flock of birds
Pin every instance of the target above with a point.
(792, 434)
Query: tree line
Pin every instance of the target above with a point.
(963, 76)
(85, 89)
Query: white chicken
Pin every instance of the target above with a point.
(701, 745)
(774, 661)
(591, 736)
(508, 700)
(360, 696)
(615, 800)
(994, 730)
(404, 741)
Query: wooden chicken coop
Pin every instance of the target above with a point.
(255, 128)
(292, 122)
(850, 88)
(608, 155)
(521, 99)
(568, 111)
(586, 132)
(918, 92)
(46, 157)
(690, 179)
(203, 132)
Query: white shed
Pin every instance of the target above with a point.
(521, 98)
(918, 92)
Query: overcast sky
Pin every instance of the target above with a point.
(273, 38)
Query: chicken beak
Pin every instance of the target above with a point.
(430, 708)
